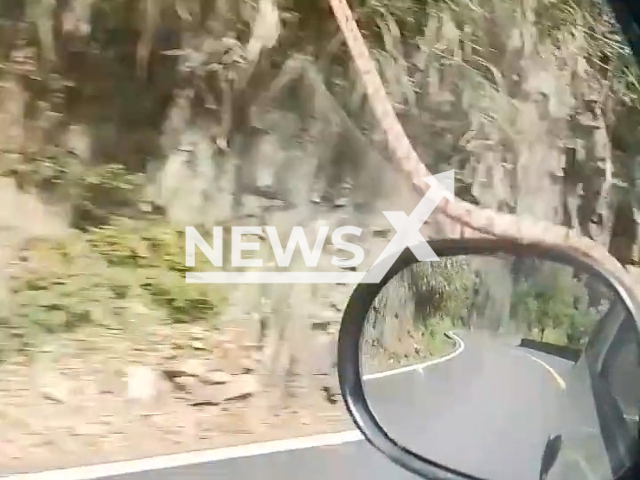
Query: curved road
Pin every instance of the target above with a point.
(487, 411)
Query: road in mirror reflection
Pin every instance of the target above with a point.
(457, 371)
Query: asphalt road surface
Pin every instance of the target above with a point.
(487, 411)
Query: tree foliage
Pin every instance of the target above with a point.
(552, 299)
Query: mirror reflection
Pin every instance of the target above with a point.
(477, 362)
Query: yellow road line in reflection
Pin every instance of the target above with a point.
(555, 374)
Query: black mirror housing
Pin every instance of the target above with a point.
(354, 318)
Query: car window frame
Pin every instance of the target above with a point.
(619, 440)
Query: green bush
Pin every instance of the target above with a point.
(554, 302)
(99, 279)
(156, 253)
(94, 192)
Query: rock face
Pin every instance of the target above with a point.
(281, 142)
(559, 138)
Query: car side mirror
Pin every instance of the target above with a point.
(460, 368)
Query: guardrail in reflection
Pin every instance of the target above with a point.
(568, 353)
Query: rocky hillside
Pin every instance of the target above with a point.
(520, 101)
(123, 121)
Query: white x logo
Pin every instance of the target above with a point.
(408, 227)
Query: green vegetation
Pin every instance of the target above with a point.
(554, 307)
(112, 277)
(93, 193)
(119, 267)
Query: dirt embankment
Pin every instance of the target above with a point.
(101, 399)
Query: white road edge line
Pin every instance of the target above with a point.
(90, 472)
(550, 369)
(189, 458)
(420, 366)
